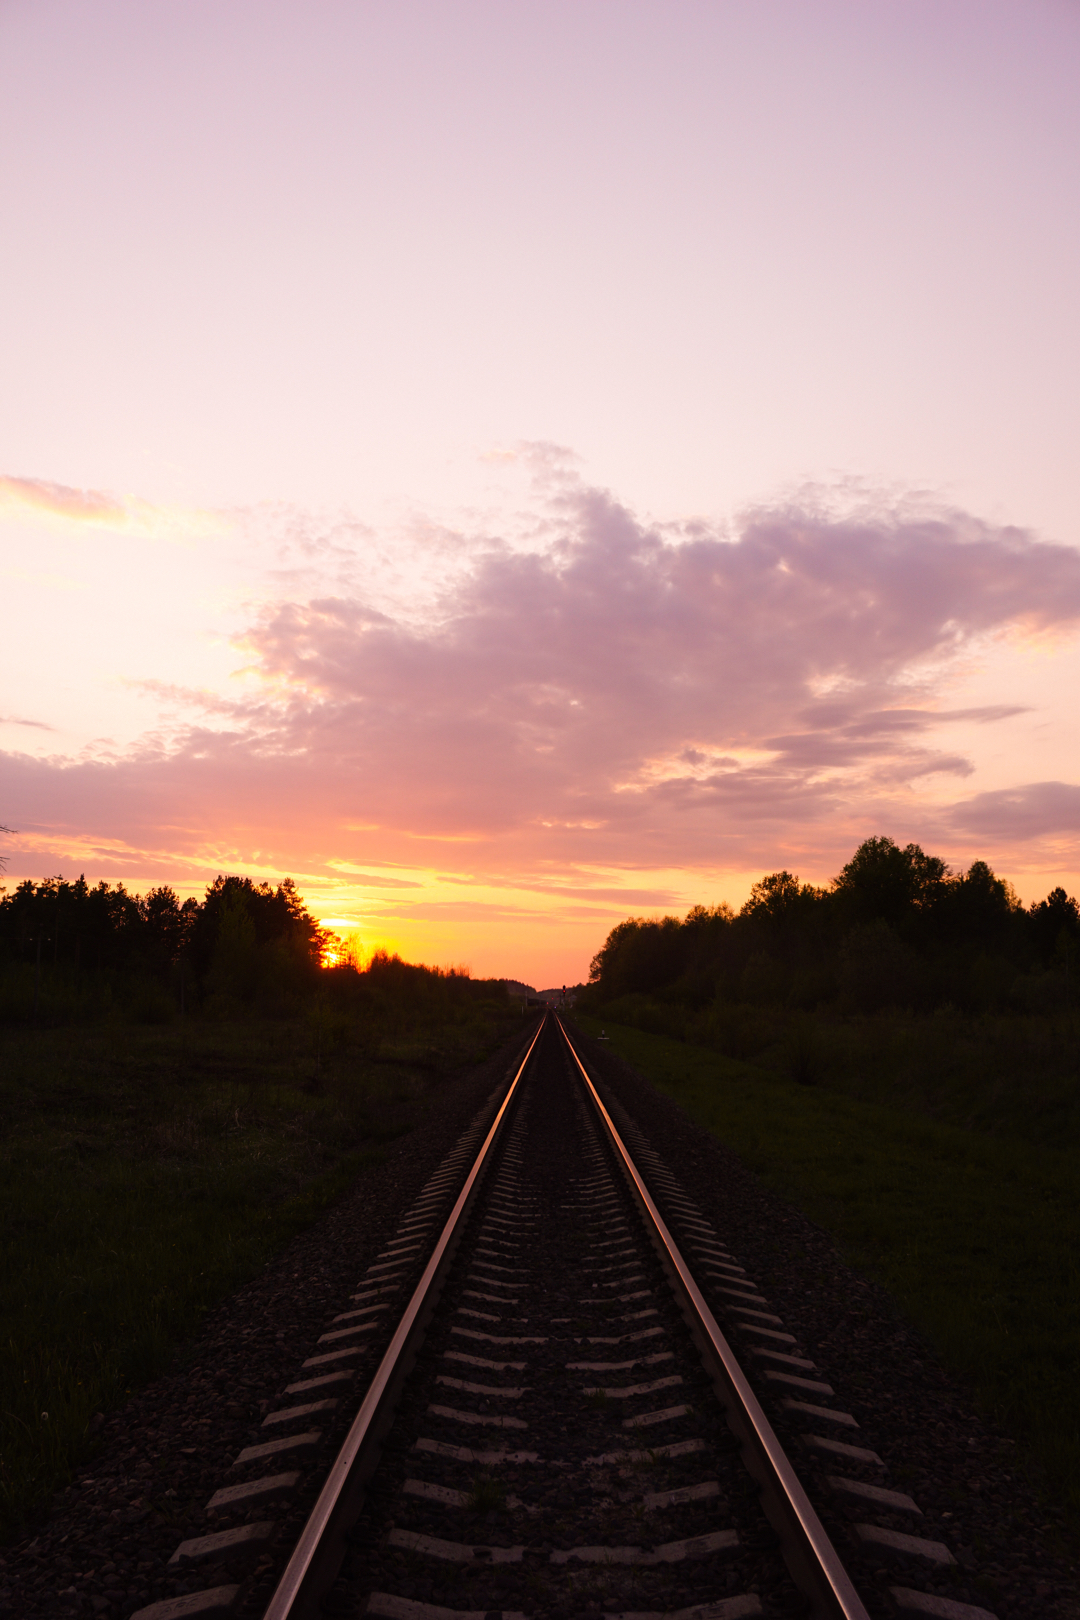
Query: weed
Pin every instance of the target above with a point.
(804, 1059)
(488, 1494)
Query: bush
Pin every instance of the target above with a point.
(877, 969)
(151, 1004)
(803, 1057)
(737, 1031)
(763, 981)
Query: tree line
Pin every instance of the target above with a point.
(105, 927)
(69, 950)
(896, 928)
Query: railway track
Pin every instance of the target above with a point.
(558, 1424)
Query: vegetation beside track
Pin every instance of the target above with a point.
(147, 1170)
(975, 1231)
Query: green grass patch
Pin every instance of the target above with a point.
(488, 1494)
(1015, 1074)
(976, 1235)
(145, 1173)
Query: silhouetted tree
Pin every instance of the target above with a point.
(884, 881)
(895, 928)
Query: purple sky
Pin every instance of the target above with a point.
(512, 465)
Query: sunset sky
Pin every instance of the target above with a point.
(513, 464)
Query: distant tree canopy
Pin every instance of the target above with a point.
(243, 940)
(106, 927)
(895, 927)
(70, 952)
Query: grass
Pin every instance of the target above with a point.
(145, 1173)
(974, 1229)
(1015, 1074)
(488, 1494)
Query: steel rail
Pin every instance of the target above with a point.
(813, 1560)
(322, 1540)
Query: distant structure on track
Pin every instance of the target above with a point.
(564, 997)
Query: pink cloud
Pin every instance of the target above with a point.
(1033, 810)
(59, 499)
(623, 695)
(19, 720)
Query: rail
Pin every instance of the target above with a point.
(813, 1560)
(322, 1540)
(811, 1557)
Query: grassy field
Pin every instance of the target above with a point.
(145, 1172)
(1004, 1074)
(974, 1229)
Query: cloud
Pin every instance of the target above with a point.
(60, 500)
(18, 720)
(614, 694)
(618, 666)
(1034, 810)
(374, 880)
(94, 508)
